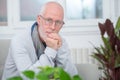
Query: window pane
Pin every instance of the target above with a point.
(29, 9)
(3, 12)
(83, 9)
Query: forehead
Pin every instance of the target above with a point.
(53, 11)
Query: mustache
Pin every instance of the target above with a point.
(50, 31)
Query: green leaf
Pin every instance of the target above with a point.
(56, 73)
(56, 76)
(15, 78)
(64, 75)
(29, 74)
(42, 76)
(48, 70)
(106, 42)
(117, 66)
(117, 61)
(76, 77)
(97, 58)
(107, 45)
(98, 50)
(117, 28)
(118, 24)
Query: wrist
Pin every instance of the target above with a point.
(50, 52)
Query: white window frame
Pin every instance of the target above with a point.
(86, 22)
(72, 26)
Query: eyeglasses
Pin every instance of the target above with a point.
(49, 21)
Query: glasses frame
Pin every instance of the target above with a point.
(49, 21)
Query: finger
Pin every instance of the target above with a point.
(50, 36)
(56, 36)
(59, 43)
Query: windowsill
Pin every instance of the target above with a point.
(3, 24)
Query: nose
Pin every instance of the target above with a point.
(53, 26)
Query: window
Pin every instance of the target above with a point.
(3, 12)
(78, 9)
(83, 9)
(23, 13)
(75, 11)
(80, 15)
(29, 9)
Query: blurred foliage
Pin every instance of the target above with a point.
(47, 73)
(108, 54)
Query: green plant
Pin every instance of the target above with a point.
(108, 54)
(47, 73)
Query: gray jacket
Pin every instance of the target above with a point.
(22, 56)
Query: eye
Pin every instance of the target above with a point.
(49, 20)
(58, 22)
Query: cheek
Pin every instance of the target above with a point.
(42, 28)
(57, 29)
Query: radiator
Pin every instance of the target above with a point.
(82, 55)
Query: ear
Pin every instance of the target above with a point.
(38, 19)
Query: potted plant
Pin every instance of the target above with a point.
(108, 54)
(46, 73)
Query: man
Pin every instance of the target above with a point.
(41, 45)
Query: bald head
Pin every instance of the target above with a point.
(52, 7)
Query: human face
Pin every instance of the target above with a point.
(51, 20)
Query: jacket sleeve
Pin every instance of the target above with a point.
(63, 59)
(22, 59)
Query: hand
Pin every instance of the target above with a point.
(53, 40)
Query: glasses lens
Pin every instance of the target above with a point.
(49, 21)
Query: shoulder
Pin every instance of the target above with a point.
(23, 33)
(22, 36)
